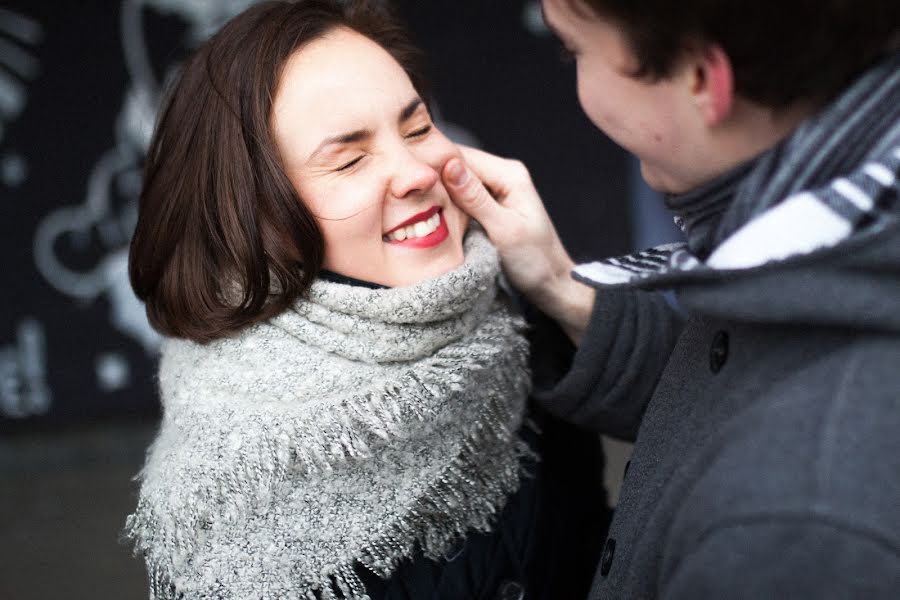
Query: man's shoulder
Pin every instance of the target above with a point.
(821, 444)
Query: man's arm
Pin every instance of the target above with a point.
(627, 344)
(624, 337)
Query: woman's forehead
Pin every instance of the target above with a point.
(341, 56)
(338, 84)
(342, 69)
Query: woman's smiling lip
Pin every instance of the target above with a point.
(422, 234)
(422, 216)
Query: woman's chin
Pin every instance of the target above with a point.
(417, 271)
(414, 265)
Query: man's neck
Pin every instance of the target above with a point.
(750, 130)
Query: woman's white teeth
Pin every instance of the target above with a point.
(418, 230)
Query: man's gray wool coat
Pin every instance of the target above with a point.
(767, 463)
(767, 426)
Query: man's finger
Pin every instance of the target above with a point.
(489, 168)
(468, 193)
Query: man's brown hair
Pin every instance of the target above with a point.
(782, 52)
(221, 231)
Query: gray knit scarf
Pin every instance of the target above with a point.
(342, 434)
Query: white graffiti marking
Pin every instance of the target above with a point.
(113, 372)
(533, 19)
(109, 210)
(108, 213)
(23, 374)
(17, 34)
(13, 170)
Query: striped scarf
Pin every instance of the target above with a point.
(835, 177)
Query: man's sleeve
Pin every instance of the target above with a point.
(786, 558)
(606, 384)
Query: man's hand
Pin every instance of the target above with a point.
(499, 194)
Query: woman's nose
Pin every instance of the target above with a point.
(412, 175)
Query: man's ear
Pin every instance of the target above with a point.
(713, 83)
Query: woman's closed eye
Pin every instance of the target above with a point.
(420, 131)
(350, 164)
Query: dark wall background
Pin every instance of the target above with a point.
(79, 84)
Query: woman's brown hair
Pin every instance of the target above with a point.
(221, 231)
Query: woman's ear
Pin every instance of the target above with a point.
(713, 84)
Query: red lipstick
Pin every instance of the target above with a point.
(422, 216)
(429, 241)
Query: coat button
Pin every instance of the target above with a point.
(609, 552)
(718, 352)
(510, 590)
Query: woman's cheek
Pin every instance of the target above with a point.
(346, 211)
(441, 149)
(360, 197)
(463, 222)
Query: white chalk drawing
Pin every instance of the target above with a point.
(13, 169)
(113, 372)
(23, 365)
(18, 35)
(107, 215)
(109, 210)
(533, 19)
(23, 373)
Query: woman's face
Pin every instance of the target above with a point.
(360, 148)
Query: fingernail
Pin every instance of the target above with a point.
(457, 174)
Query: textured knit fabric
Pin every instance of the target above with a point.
(545, 542)
(767, 445)
(699, 213)
(349, 430)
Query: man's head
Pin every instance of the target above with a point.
(698, 86)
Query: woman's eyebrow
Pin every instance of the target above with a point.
(342, 138)
(409, 110)
(362, 134)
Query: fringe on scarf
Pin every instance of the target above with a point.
(439, 518)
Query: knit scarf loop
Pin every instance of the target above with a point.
(344, 433)
(834, 178)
